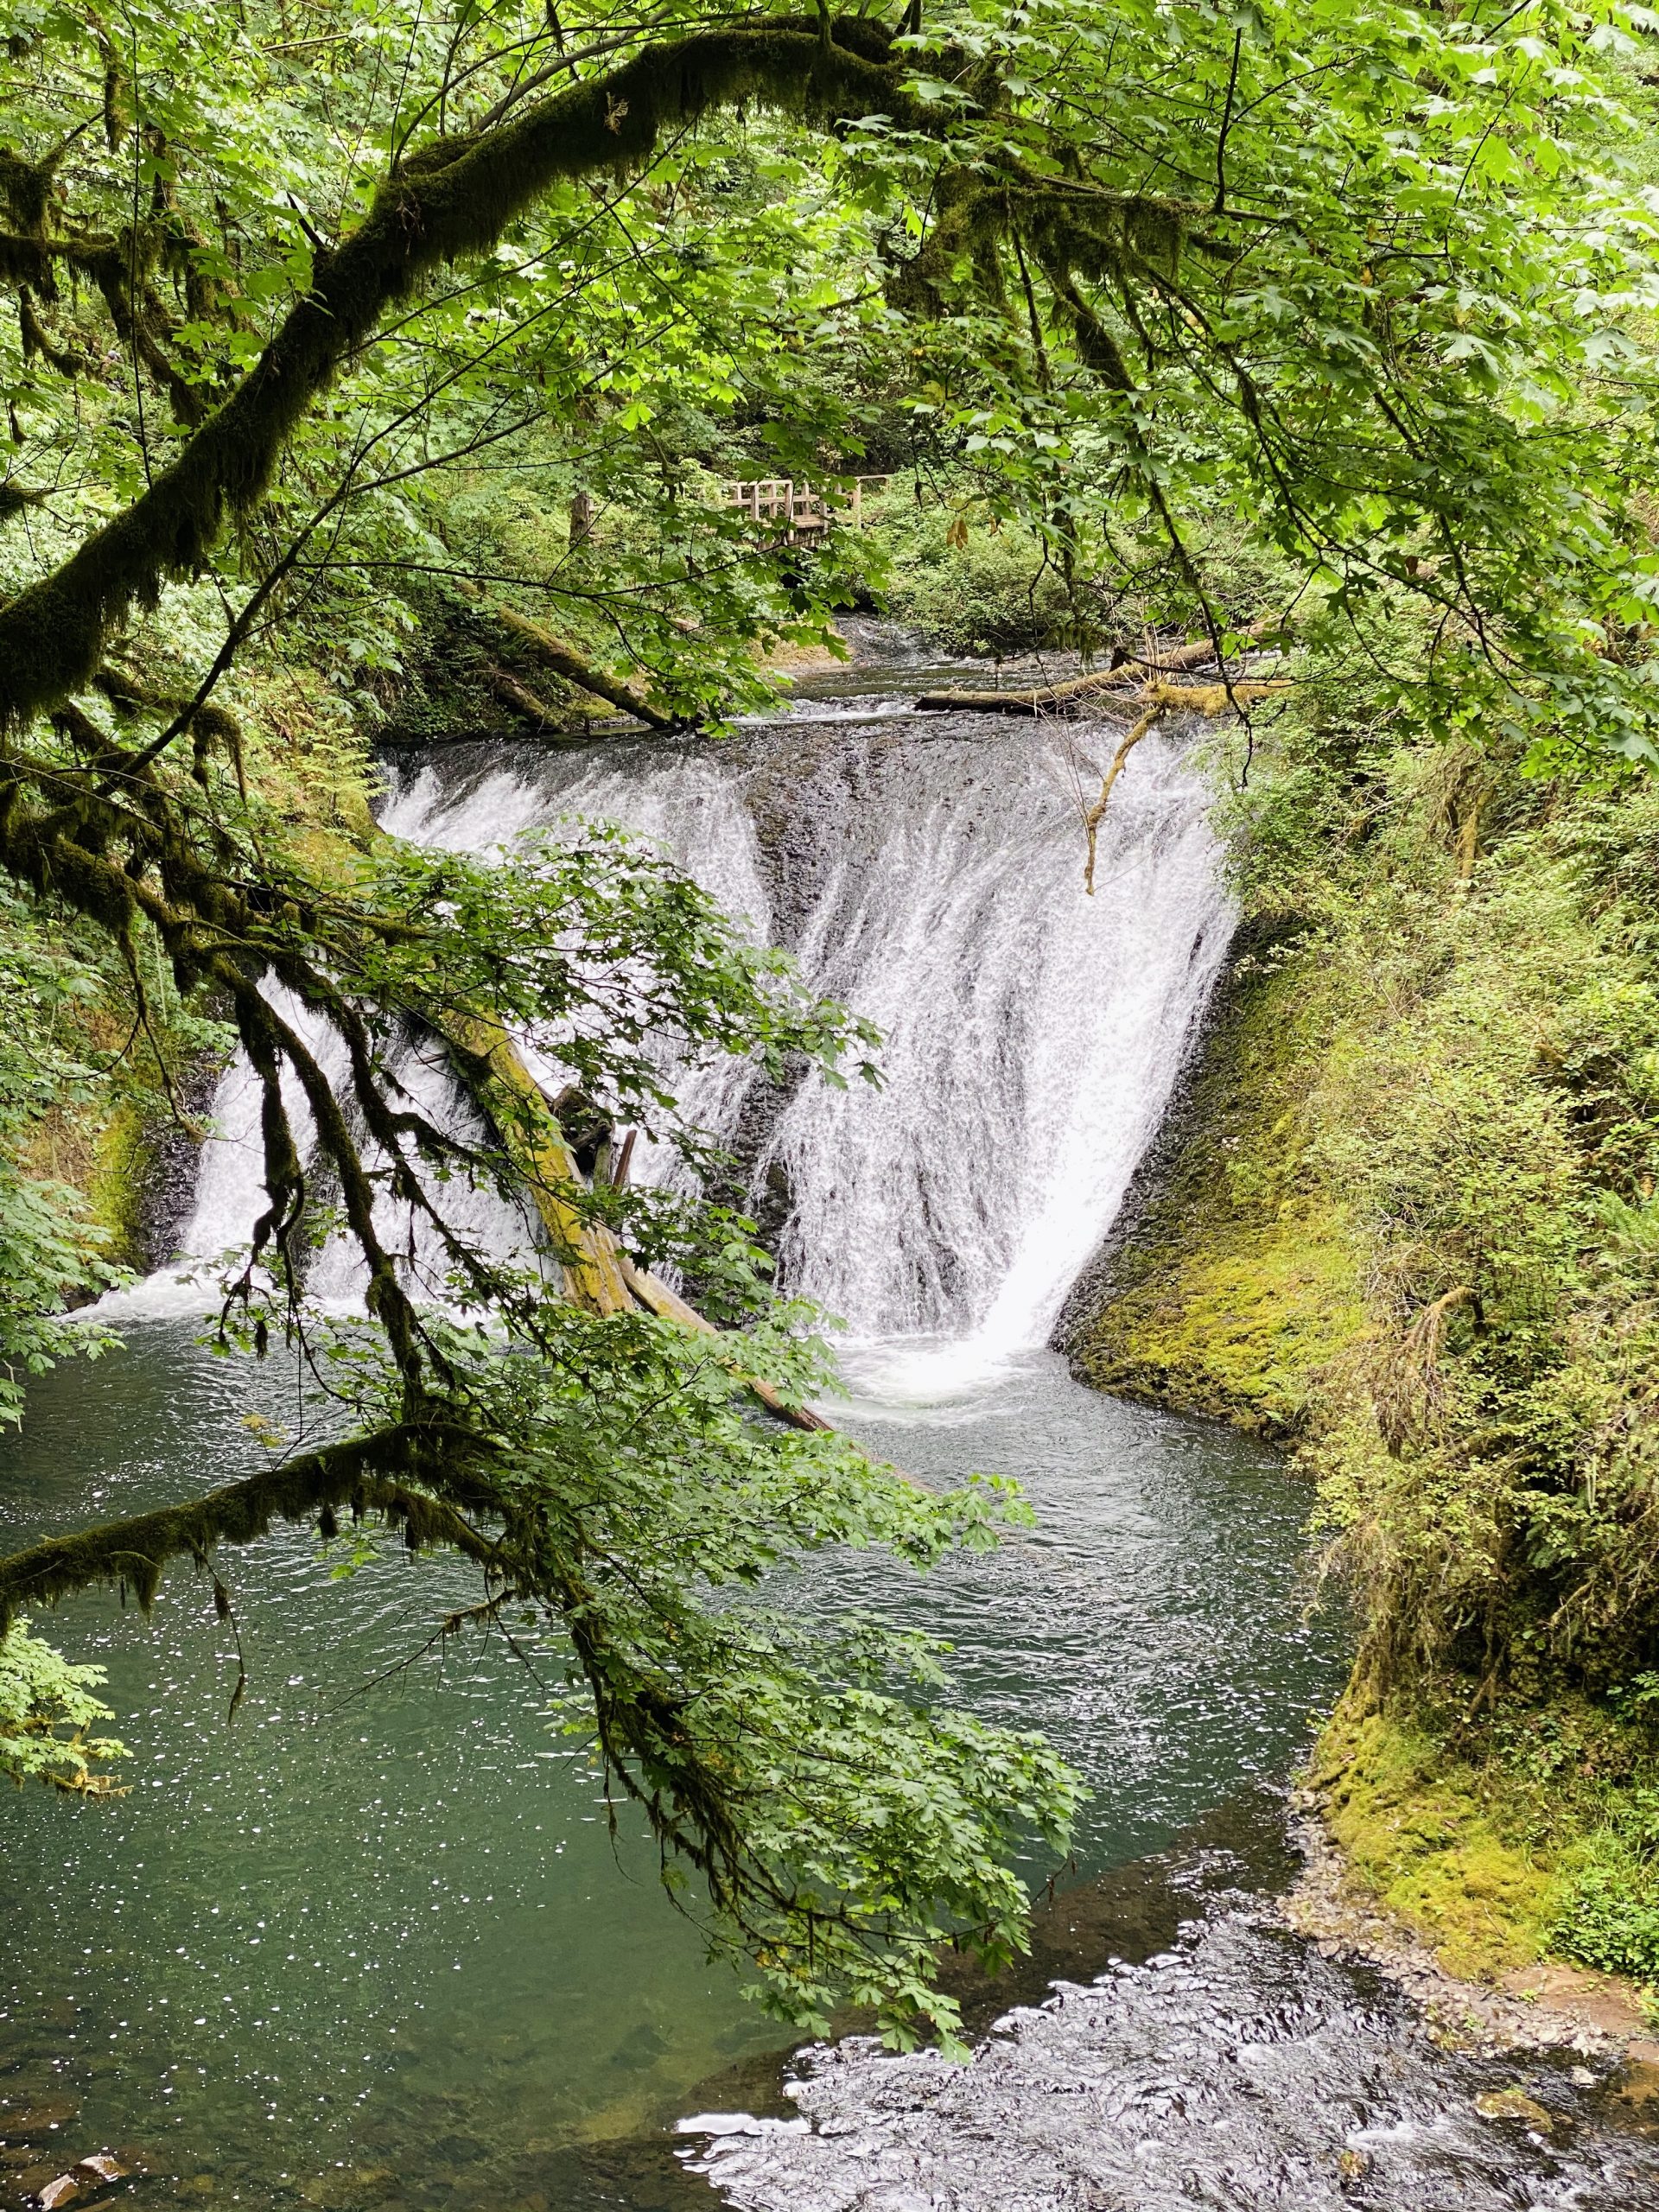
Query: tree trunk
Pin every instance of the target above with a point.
(572, 667)
(449, 201)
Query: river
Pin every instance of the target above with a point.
(373, 1942)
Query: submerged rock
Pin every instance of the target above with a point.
(1514, 2104)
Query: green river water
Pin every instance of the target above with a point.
(364, 1945)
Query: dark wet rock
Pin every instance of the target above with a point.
(454, 2150)
(168, 1168)
(18, 2185)
(641, 2175)
(345, 2189)
(643, 2048)
(1536, 2008)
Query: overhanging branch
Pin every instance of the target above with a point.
(369, 1472)
(52, 635)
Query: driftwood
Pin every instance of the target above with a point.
(1094, 815)
(1125, 672)
(1157, 699)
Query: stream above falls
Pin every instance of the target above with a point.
(374, 1942)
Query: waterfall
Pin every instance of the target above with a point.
(930, 877)
(1033, 1033)
(928, 874)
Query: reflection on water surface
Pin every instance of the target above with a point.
(366, 1946)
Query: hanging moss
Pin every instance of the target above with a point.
(38, 340)
(371, 1472)
(52, 634)
(26, 189)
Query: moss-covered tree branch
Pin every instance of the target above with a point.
(370, 1474)
(449, 200)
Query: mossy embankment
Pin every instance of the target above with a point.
(1233, 1283)
(1404, 1217)
(106, 1073)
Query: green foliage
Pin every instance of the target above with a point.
(1456, 1848)
(1468, 1099)
(972, 589)
(608, 1472)
(547, 944)
(1609, 1916)
(1236, 1282)
(1372, 323)
(803, 1770)
(47, 1714)
(1432, 1089)
(51, 1252)
(1341, 306)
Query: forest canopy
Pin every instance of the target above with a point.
(303, 300)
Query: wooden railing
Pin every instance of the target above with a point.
(800, 510)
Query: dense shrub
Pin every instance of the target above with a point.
(972, 589)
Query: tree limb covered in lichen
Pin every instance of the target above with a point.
(445, 202)
(371, 1474)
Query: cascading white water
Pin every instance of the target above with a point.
(930, 876)
(680, 802)
(230, 1175)
(931, 879)
(683, 800)
(1033, 1033)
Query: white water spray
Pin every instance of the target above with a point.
(928, 876)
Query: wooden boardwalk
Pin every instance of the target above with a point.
(800, 511)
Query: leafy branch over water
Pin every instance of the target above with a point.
(1364, 279)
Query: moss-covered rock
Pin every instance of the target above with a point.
(124, 1163)
(1443, 1844)
(1233, 1283)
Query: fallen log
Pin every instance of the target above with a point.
(521, 701)
(571, 666)
(598, 1276)
(656, 1298)
(1126, 671)
(530, 1129)
(598, 1273)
